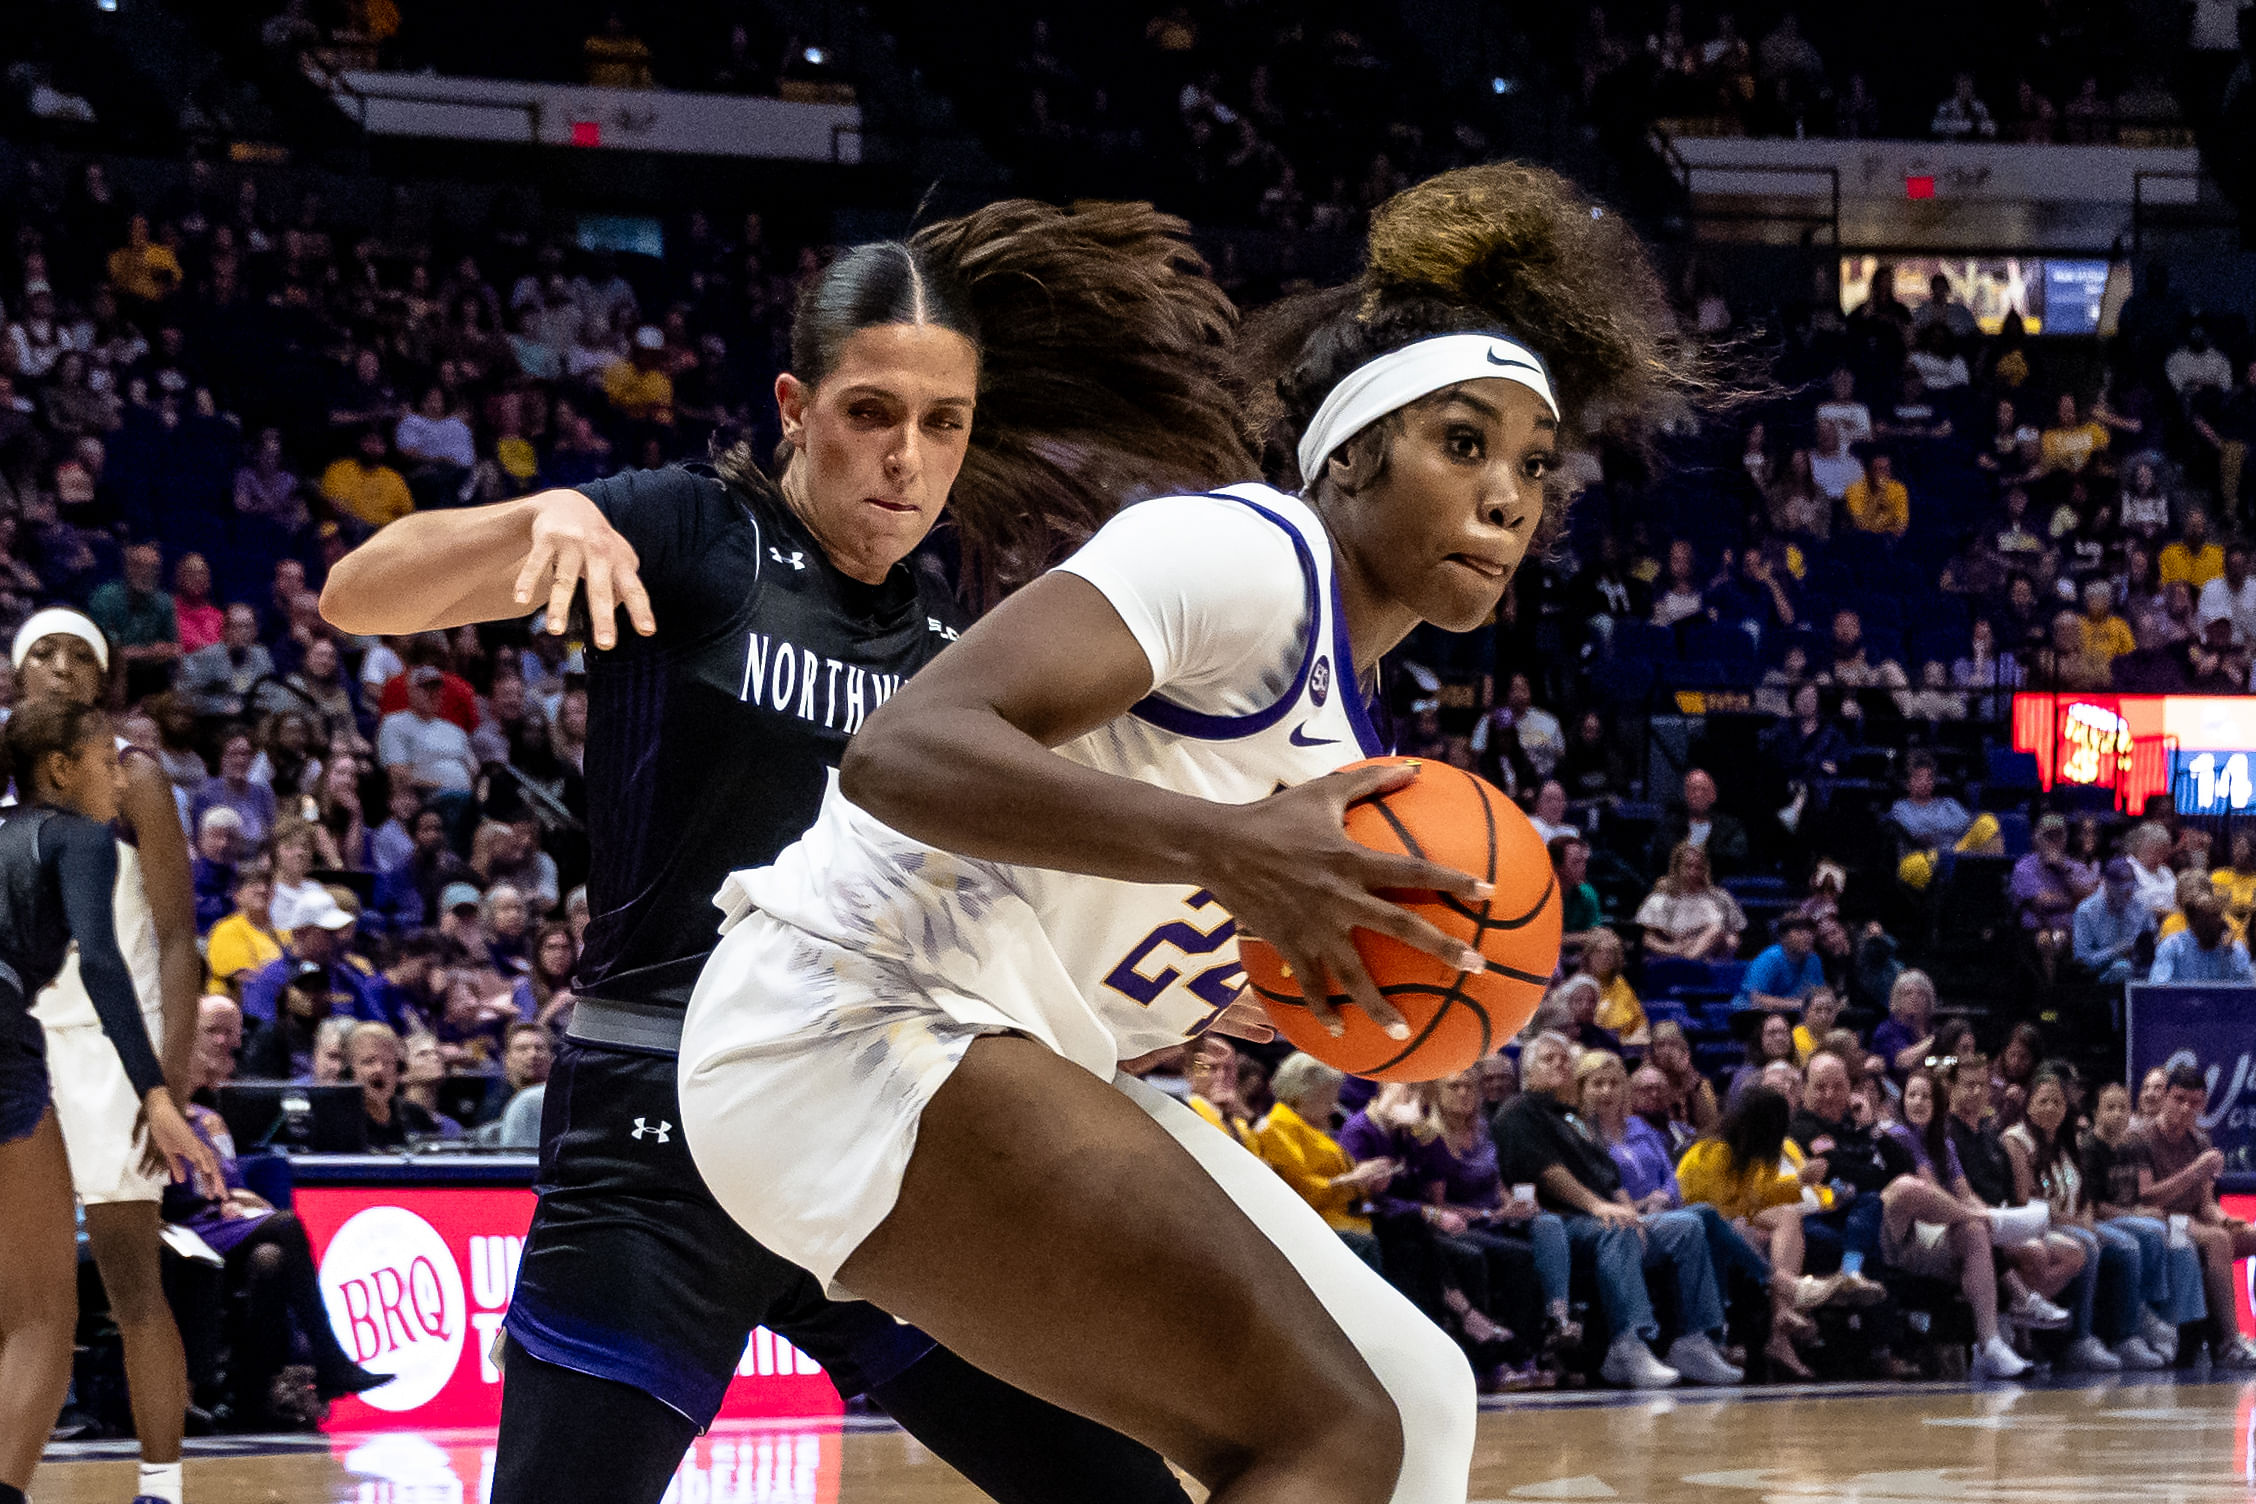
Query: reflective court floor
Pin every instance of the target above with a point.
(2167, 1441)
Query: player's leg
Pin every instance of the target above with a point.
(123, 1236)
(571, 1436)
(38, 1299)
(1052, 1233)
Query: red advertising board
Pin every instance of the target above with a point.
(417, 1281)
(737, 1462)
(2243, 1207)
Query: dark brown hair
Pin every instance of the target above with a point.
(1103, 371)
(1505, 248)
(38, 729)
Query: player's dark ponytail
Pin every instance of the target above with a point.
(39, 728)
(1103, 371)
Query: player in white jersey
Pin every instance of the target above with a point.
(1037, 858)
(60, 653)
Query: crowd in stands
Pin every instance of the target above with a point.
(1588, 1210)
(2080, 74)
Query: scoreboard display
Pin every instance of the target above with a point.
(2198, 749)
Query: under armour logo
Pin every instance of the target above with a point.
(798, 559)
(663, 1131)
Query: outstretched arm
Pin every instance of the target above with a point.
(171, 891)
(450, 568)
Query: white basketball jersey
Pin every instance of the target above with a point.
(64, 1002)
(1098, 969)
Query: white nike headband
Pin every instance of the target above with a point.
(60, 621)
(1400, 377)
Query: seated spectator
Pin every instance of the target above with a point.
(1694, 820)
(1906, 1036)
(1927, 824)
(1619, 1011)
(286, 1046)
(243, 941)
(219, 845)
(394, 1120)
(436, 441)
(233, 788)
(1821, 1014)
(1783, 976)
(1851, 666)
(527, 1054)
(327, 1064)
(2193, 558)
(1691, 1103)
(1294, 1138)
(310, 925)
(2074, 443)
(198, 623)
(1686, 915)
(2107, 636)
(2197, 365)
(140, 620)
(2235, 882)
(1577, 1000)
(2042, 1149)
(1593, 769)
(1962, 116)
(1851, 419)
(1806, 746)
(1858, 1167)
(1769, 1042)
(1834, 466)
(2111, 926)
(1934, 365)
(2232, 597)
(365, 488)
(637, 386)
(1537, 1141)
(1642, 1151)
(2068, 661)
(2204, 951)
(1581, 911)
(218, 682)
(1754, 1176)
(2040, 1266)
(2171, 1282)
(269, 1268)
(1877, 502)
(146, 271)
(1932, 1226)
(2177, 1176)
(1542, 741)
(423, 1073)
(1213, 1077)
(422, 749)
(1679, 596)
(2046, 886)
(266, 489)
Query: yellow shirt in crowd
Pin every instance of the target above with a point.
(638, 393)
(376, 496)
(1705, 1174)
(237, 945)
(2197, 569)
(1885, 508)
(1308, 1158)
(1620, 1011)
(1237, 1128)
(2071, 449)
(2109, 638)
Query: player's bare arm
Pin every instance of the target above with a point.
(960, 758)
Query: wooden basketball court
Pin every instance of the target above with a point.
(2173, 1441)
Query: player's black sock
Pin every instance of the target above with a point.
(10, 1494)
(1016, 1448)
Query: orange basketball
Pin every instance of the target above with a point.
(1455, 1017)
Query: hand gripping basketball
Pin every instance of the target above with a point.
(1470, 941)
(1288, 871)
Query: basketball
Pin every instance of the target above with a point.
(1455, 1017)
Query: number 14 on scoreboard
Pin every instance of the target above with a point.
(2214, 786)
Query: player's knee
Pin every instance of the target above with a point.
(1365, 1438)
(266, 1261)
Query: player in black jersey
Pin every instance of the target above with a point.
(1021, 365)
(58, 869)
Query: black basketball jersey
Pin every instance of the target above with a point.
(710, 743)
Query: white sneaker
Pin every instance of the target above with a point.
(1694, 1356)
(1631, 1364)
(2238, 1353)
(2159, 1335)
(2010, 1225)
(2134, 1354)
(1994, 1360)
(2037, 1313)
(1812, 1291)
(2087, 1354)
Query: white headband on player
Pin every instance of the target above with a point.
(60, 621)
(1400, 377)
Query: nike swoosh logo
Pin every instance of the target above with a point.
(1495, 359)
(1300, 738)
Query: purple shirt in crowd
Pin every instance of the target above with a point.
(1466, 1180)
(1919, 1156)
(1642, 1156)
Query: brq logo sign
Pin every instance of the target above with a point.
(394, 1293)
